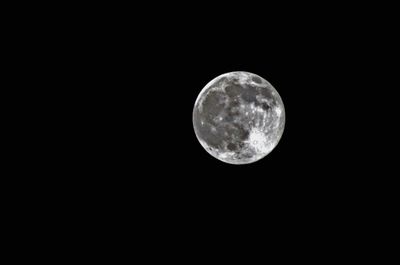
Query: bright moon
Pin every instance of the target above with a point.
(238, 117)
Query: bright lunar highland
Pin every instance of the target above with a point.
(238, 117)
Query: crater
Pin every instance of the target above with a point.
(265, 106)
(231, 147)
(256, 79)
(266, 92)
(233, 90)
(249, 95)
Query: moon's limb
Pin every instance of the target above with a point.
(238, 117)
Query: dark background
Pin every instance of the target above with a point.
(120, 85)
(136, 78)
(141, 79)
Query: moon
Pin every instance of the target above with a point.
(239, 117)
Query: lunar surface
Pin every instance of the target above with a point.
(238, 117)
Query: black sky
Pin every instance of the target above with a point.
(146, 77)
(127, 84)
(132, 81)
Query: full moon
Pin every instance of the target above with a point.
(238, 117)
